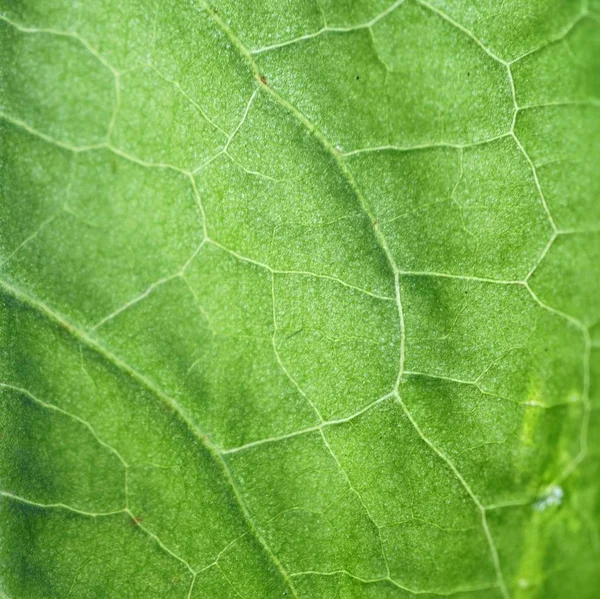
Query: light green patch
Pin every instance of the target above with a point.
(514, 28)
(265, 22)
(94, 227)
(504, 463)
(369, 88)
(340, 345)
(354, 13)
(565, 157)
(183, 137)
(446, 209)
(580, 278)
(74, 97)
(576, 56)
(316, 520)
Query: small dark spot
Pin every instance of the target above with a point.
(137, 519)
(296, 332)
(263, 79)
(468, 73)
(357, 77)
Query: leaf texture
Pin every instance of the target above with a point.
(299, 298)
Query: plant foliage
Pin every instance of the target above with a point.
(299, 298)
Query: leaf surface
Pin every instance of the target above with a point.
(299, 299)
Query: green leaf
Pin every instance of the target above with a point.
(299, 298)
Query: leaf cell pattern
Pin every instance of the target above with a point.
(299, 299)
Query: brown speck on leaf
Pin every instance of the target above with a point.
(137, 519)
(263, 79)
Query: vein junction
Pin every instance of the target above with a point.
(192, 173)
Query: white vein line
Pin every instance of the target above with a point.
(542, 255)
(62, 506)
(192, 583)
(587, 408)
(360, 499)
(575, 321)
(133, 301)
(445, 275)
(327, 29)
(67, 34)
(555, 232)
(492, 546)
(588, 231)
(475, 499)
(424, 146)
(242, 120)
(481, 389)
(587, 411)
(250, 171)
(84, 423)
(383, 14)
(303, 273)
(402, 331)
(378, 54)
(160, 395)
(124, 511)
(592, 102)
(513, 92)
(116, 107)
(278, 356)
(51, 140)
(189, 98)
(394, 583)
(29, 238)
(159, 542)
(468, 33)
(320, 427)
(229, 582)
(201, 210)
(78, 419)
(361, 200)
(560, 37)
(310, 429)
(215, 561)
(259, 442)
(145, 163)
(73, 35)
(113, 359)
(524, 151)
(536, 180)
(104, 145)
